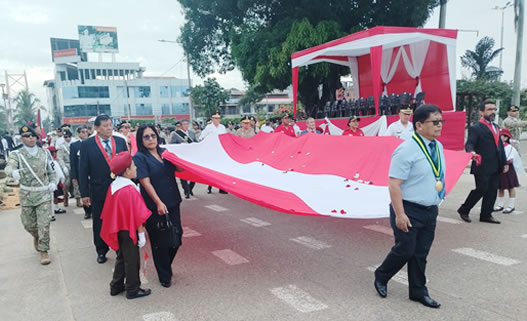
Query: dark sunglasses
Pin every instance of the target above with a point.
(435, 122)
(29, 135)
(149, 137)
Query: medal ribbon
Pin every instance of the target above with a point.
(103, 151)
(436, 168)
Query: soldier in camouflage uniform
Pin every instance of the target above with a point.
(514, 124)
(63, 155)
(32, 167)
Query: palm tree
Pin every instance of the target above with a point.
(479, 59)
(26, 104)
(3, 119)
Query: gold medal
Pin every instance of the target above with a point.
(439, 186)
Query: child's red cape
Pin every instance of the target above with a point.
(124, 210)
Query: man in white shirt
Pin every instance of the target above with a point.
(214, 128)
(267, 128)
(402, 128)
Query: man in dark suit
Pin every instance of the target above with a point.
(185, 136)
(75, 156)
(94, 174)
(488, 161)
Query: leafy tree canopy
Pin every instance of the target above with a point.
(478, 60)
(259, 36)
(26, 108)
(209, 97)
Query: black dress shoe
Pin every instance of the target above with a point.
(187, 196)
(140, 293)
(116, 291)
(60, 211)
(223, 192)
(489, 219)
(464, 216)
(191, 194)
(53, 219)
(101, 258)
(87, 216)
(166, 284)
(381, 288)
(427, 302)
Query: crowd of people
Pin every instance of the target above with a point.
(117, 175)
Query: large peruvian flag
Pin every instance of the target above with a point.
(341, 176)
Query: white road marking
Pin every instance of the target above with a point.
(230, 257)
(380, 228)
(448, 220)
(78, 211)
(486, 256)
(311, 243)
(216, 208)
(188, 232)
(87, 223)
(159, 316)
(400, 277)
(298, 299)
(255, 222)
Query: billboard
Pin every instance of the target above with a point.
(98, 39)
(66, 55)
(61, 48)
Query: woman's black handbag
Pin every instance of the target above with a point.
(167, 234)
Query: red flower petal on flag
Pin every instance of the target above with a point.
(343, 212)
(348, 185)
(333, 211)
(356, 188)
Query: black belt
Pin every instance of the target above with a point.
(423, 207)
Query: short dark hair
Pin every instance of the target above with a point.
(422, 113)
(486, 102)
(81, 128)
(139, 138)
(68, 133)
(100, 119)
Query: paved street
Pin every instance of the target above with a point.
(243, 262)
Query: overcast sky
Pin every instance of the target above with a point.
(27, 25)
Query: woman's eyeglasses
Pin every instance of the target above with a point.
(149, 137)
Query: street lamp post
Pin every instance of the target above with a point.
(507, 5)
(191, 108)
(7, 109)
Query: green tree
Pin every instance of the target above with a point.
(259, 36)
(209, 97)
(478, 60)
(26, 104)
(3, 119)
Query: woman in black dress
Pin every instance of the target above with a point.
(161, 195)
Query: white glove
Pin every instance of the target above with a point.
(52, 187)
(16, 175)
(142, 240)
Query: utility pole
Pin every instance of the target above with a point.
(442, 14)
(507, 5)
(191, 109)
(519, 48)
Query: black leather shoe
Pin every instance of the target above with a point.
(87, 216)
(464, 216)
(489, 219)
(191, 194)
(53, 219)
(60, 211)
(101, 258)
(187, 196)
(381, 288)
(166, 284)
(223, 192)
(140, 293)
(427, 302)
(116, 291)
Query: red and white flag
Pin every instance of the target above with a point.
(325, 175)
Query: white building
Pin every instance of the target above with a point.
(83, 89)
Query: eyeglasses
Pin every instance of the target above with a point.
(435, 122)
(149, 137)
(29, 135)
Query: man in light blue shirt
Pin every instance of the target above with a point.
(417, 186)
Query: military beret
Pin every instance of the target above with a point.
(27, 129)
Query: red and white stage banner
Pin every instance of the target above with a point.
(324, 175)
